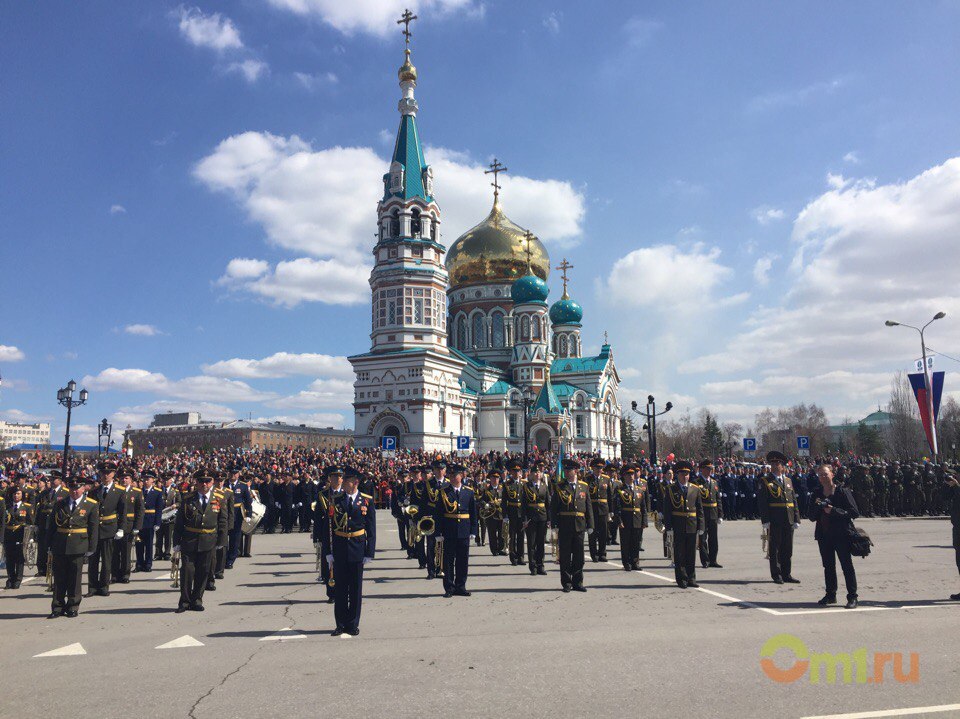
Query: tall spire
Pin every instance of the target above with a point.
(407, 72)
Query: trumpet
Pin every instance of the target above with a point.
(175, 569)
(765, 542)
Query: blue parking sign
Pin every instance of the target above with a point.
(749, 444)
(803, 443)
(463, 442)
(388, 443)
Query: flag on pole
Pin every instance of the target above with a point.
(919, 385)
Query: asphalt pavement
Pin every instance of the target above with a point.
(633, 645)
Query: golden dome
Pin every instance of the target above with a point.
(407, 71)
(493, 251)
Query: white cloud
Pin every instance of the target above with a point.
(250, 69)
(552, 22)
(142, 330)
(842, 383)
(865, 253)
(322, 203)
(376, 17)
(386, 137)
(212, 31)
(640, 31)
(321, 394)
(118, 210)
(200, 388)
(765, 215)
(282, 364)
(761, 269)
(9, 353)
(852, 157)
(665, 276)
(796, 97)
(16, 415)
(316, 80)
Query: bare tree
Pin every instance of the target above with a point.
(904, 436)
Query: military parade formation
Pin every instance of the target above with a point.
(108, 521)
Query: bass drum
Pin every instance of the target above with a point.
(257, 510)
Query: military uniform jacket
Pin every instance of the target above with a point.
(14, 521)
(48, 498)
(571, 509)
(710, 498)
(242, 501)
(200, 530)
(75, 532)
(456, 518)
(227, 495)
(396, 500)
(354, 528)
(133, 514)
(953, 498)
(152, 507)
(631, 504)
(601, 495)
(321, 516)
(426, 497)
(535, 502)
(513, 500)
(683, 508)
(112, 507)
(492, 497)
(776, 501)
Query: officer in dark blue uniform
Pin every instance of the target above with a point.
(242, 506)
(152, 512)
(322, 529)
(456, 521)
(397, 498)
(354, 537)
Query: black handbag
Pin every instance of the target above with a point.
(860, 542)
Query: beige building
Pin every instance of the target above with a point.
(14, 433)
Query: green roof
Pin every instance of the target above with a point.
(500, 387)
(467, 358)
(547, 400)
(408, 153)
(564, 390)
(582, 364)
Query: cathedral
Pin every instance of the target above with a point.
(464, 343)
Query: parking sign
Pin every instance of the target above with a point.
(463, 442)
(388, 443)
(803, 446)
(749, 446)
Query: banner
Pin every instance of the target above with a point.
(918, 382)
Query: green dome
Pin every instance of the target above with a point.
(566, 312)
(529, 288)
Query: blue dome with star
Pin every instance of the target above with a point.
(529, 288)
(566, 312)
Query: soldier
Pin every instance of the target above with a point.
(683, 515)
(895, 505)
(613, 523)
(601, 496)
(534, 500)
(74, 525)
(308, 495)
(881, 489)
(152, 512)
(428, 500)
(242, 507)
(219, 564)
(199, 529)
(712, 516)
(513, 510)
(171, 498)
(18, 516)
(631, 504)
(417, 498)
(284, 499)
(110, 499)
(456, 522)
(952, 498)
(778, 512)
(354, 544)
(130, 525)
(728, 493)
(322, 528)
(492, 500)
(397, 498)
(45, 501)
(571, 514)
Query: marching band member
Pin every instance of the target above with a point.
(199, 529)
(397, 498)
(242, 507)
(17, 517)
(353, 546)
(492, 500)
(152, 512)
(322, 529)
(513, 510)
(456, 522)
(778, 513)
(683, 514)
(111, 500)
(712, 514)
(534, 499)
(631, 505)
(571, 513)
(74, 523)
(601, 494)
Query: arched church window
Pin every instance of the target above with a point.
(479, 336)
(415, 225)
(498, 338)
(461, 332)
(536, 328)
(525, 327)
(563, 346)
(395, 223)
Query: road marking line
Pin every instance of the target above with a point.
(285, 633)
(910, 711)
(181, 643)
(71, 650)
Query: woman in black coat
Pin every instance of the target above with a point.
(834, 509)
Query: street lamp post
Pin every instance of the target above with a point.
(526, 400)
(926, 376)
(65, 397)
(104, 430)
(651, 415)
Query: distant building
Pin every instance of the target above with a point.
(14, 433)
(172, 419)
(194, 434)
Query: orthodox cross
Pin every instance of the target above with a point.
(563, 267)
(526, 242)
(496, 167)
(405, 20)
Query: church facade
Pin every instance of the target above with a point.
(464, 343)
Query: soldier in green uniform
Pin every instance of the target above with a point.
(571, 513)
(219, 564)
(111, 502)
(712, 515)
(130, 526)
(17, 517)
(952, 498)
(683, 515)
(780, 517)
(45, 501)
(199, 529)
(631, 505)
(601, 496)
(491, 501)
(895, 505)
(74, 526)
(881, 491)
(513, 510)
(534, 500)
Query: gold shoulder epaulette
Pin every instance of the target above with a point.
(136, 489)
(368, 496)
(581, 482)
(217, 493)
(26, 504)
(92, 501)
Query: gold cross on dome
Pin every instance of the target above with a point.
(405, 20)
(563, 267)
(496, 167)
(527, 242)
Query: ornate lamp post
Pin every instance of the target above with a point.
(104, 430)
(651, 414)
(65, 397)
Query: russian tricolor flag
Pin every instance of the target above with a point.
(919, 384)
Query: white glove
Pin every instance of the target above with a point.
(699, 531)
(366, 560)
(219, 547)
(766, 525)
(660, 516)
(87, 555)
(796, 525)
(299, 504)
(119, 534)
(720, 520)
(278, 505)
(472, 537)
(589, 530)
(330, 559)
(440, 539)
(177, 548)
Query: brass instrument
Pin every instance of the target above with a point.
(29, 548)
(657, 521)
(668, 545)
(49, 578)
(175, 569)
(554, 546)
(765, 542)
(318, 565)
(427, 526)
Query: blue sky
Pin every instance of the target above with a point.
(746, 190)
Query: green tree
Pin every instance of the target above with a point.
(630, 438)
(711, 438)
(869, 441)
